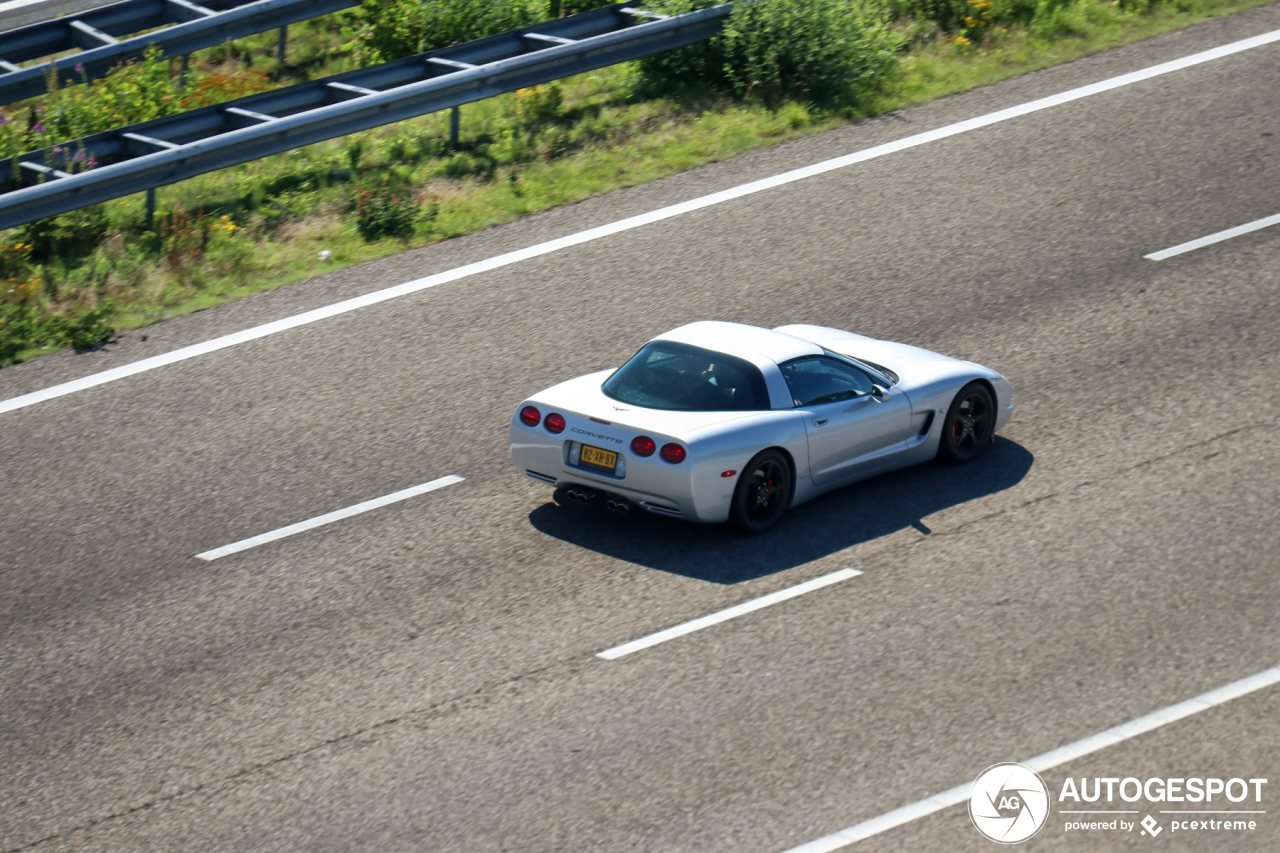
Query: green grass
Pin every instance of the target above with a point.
(934, 70)
(266, 223)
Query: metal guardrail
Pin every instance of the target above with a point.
(167, 150)
(106, 36)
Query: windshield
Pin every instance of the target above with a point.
(885, 372)
(683, 378)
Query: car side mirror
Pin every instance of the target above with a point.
(879, 394)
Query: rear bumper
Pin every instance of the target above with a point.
(651, 484)
(653, 503)
(649, 503)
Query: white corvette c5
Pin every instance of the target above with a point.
(717, 422)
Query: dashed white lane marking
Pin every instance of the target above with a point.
(1191, 245)
(621, 225)
(1049, 760)
(724, 615)
(329, 518)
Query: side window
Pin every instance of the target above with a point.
(820, 379)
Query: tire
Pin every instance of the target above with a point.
(969, 428)
(763, 493)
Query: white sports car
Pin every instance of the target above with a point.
(717, 422)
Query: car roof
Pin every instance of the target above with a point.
(750, 342)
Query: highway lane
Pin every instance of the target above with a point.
(745, 737)
(21, 13)
(447, 643)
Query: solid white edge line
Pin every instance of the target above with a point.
(1048, 760)
(629, 223)
(1200, 243)
(329, 517)
(725, 615)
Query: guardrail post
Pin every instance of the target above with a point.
(186, 69)
(283, 43)
(151, 207)
(455, 118)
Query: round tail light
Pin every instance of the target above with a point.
(642, 445)
(555, 423)
(673, 453)
(530, 416)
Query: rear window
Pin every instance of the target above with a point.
(683, 378)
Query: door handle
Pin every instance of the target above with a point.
(819, 422)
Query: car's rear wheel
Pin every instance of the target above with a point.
(970, 424)
(763, 492)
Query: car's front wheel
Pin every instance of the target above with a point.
(970, 424)
(763, 492)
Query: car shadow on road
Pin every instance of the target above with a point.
(850, 516)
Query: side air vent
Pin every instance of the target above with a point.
(928, 422)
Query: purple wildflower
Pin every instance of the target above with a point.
(79, 67)
(3, 121)
(37, 128)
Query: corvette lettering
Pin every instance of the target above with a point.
(596, 435)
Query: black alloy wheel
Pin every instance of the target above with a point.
(970, 425)
(763, 492)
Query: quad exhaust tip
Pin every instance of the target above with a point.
(622, 506)
(587, 497)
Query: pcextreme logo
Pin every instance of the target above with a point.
(1009, 803)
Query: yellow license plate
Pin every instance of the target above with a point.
(601, 458)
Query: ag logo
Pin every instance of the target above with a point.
(1009, 803)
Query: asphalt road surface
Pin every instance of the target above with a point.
(425, 676)
(21, 13)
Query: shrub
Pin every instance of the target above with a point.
(404, 27)
(67, 237)
(182, 236)
(384, 211)
(973, 20)
(826, 51)
(561, 8)
(539, 103)
(949, 15)
(450, 21)
(218, 87)
(391, 31)
(228, 250)
(89, 329)
(26, 326)
(15, 330)
(132, 92)
(15, 260)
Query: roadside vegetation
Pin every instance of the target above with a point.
(781, 68)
